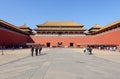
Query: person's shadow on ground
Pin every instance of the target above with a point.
(42, 54)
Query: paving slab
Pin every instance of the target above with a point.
(61, 63)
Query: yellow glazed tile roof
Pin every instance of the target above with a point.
(93, 30)
(109, 25)
(69, 23)
(96, 27)
(12, 26)
(25, 30)
(23, 26)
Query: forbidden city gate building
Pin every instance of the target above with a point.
(61, 34)
(60, 28)
(60, 31)
(70, 34)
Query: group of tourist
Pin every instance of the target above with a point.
(37, 49)
(111, 48)
(88, 50)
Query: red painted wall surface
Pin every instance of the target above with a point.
(65, 40)
(107, 38)
(12, 38)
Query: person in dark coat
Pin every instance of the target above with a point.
(90, 50)
(32, 50)
(40, 49)
(36, 50)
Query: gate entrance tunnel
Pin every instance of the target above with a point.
(71, 44)
(59, 44)
(48, 44)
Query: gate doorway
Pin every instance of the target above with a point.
(48, 44)
(59, 44)
(71, 44)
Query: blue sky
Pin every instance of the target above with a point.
(86, 12)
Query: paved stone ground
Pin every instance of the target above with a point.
(60, 63)
(106, 54)
(13, 55)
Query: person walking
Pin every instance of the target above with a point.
(36, 50)
(84, 50)
(90, 50)
(32, 50)
(40, 49)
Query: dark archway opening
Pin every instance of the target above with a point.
(48, 44)
(71, 44)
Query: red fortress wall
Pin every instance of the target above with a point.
(106, 38)
(109, 38)
(12, 38)
(65, 40)
(11, 35)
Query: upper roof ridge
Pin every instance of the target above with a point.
(60, 23)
